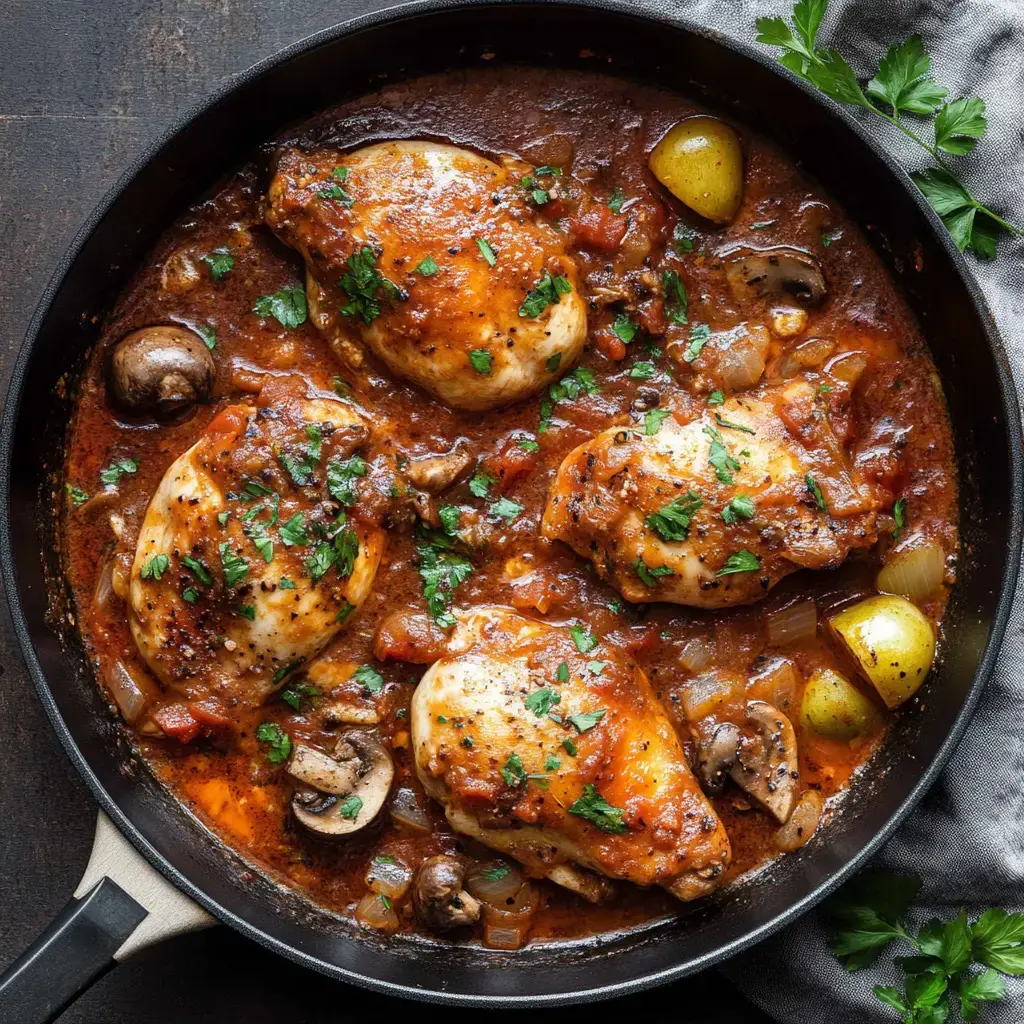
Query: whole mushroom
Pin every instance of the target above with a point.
(160, 370)
(439, 897)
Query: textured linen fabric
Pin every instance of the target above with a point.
(966, 840)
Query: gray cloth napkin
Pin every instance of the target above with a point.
(967, 838)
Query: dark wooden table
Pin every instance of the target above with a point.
(84, 86)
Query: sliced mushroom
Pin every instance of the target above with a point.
(782, 270)
(436, 473)
(593, 888)
(341, 793)
(718, 754)
(766, 766)
(160, 370)
(439, 897)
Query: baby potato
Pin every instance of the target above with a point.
(700, 162)
(892, 643)
(834, 707)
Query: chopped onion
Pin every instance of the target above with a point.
(704, 694)
(505, 936)
(406, 812)
(127, 692)
(495, 883)
(813, 351)
(793, 624)
(777, 683)
(847, 366)
(375, 911)
(388, 877)
(697, 654)
(802, 823)
(104, 585)
(508, 928)
(741, 356)
(914, 574)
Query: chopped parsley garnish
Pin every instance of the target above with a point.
(505, 508)
(346, 544)
(287, 670)
(541, 701)
(287, 307)
(294, 532)
(548, 291)
(595, 668)
(199, 569)
(486, 251)
(219, 263)
(496, 873)
(335, 192)
(350, 808)
(76, 494)
(732, 426)
(363, 284)
(580, 381)
(570, 747)
(899, 516)
(624, 328)
(427, 267)
(725, 465)
(257, 531)
(344, 612)
(615, 201)
(529, 445)
(653, 421)
(700, 334)
(448, 515)
(587, 721)
(514, 773)
(319, 563)
(442, 572)
(547, 171)
(208, 334)
(467, 742)
(552, 763)
(480, 484)
(739, 507)
(341, 478)
(280, 742)
(562, 672)
(815, 492)
(190, 594)
(553, 362)
(677, 302)
(295, 695)
(716, 398)
(827, 237)
(340, 174)
(595, 809)
(368, 678)
(223, 517)
(584, 640)
(247, 611)
(482, 361)
(672, 522)
(741, 561)
(683, 236)
(649, 576)
(155, 567)
(110, 476)
(643, 370)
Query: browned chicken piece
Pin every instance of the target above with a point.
(430, 256)
(716, 511)
(564, 761)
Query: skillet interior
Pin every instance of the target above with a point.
(431, 37)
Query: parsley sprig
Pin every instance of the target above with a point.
(942, 972)
(902, 85)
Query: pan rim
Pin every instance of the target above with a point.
(8, 575)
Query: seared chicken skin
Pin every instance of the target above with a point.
(715, 512)
(431, 256)
(562, 760)
(247, 563)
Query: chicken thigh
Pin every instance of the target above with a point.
(715, 512)
(562, 760)
(431, 256)
(250, 557)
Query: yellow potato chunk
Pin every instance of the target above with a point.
(700, 162)
(892, 643)
(834, 707)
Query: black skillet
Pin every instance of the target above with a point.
(303, 79)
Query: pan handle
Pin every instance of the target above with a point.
(121, 906)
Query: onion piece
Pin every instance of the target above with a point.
(696, 654)
(104, 585)
(914, 574)
(388, 877)
(495, 883)
(802, 823)
(701, 696)
(376, 911)
(406, 812)
(506, 936)
(508, 929)
(847, 366)
(741, 356)
(127, 691)
(793, 624)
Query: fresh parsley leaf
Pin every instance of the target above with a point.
(578, 382)
(341, 478)
(449, 518)
(904, 80)
(815, 492)
(677, 302)
(997, 940)
(486, 251)
(368, 678)
(716, 398)
(541, 701)
(284, 583)
(482, 361)
(548, 291)
(672, 522)
(364, 286)
(155, 567)
(320, 562)
(349, 808)
(547, 171)
(616, 200)
(442, 572)
(346, 547)
(529, 445)
(76, 494)
(336, 193)
(208, 334)
(552, 763)
(219, 263)
(899, 516)
(113, 473)
(562, 672)
(869, 910)
(569, 747)
(279, 741)
(732, 426)
(649, 576)
(584, 640)
(344, 612)
(480, 483)
(684, 237)
(624, 328)
(295, 696)
(287, 307)
(724, 464)
(505, 509)
(247, 611)
(740, 506)
(552, 362)
(741, 561)
(294, 532)
(513, 772)
(496, 873)
(595, 809)
(190, 594)
(199, 569)
(653, 420)
(980, 988)
(960, 124)
(643, 370)
(427, 267)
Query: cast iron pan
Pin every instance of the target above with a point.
(310, 76)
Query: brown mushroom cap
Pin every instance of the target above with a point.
(436, 473)
(780, 271)
(341, 793)
(767, 764)
(718, 753)
(439, 898)
(160, 370)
